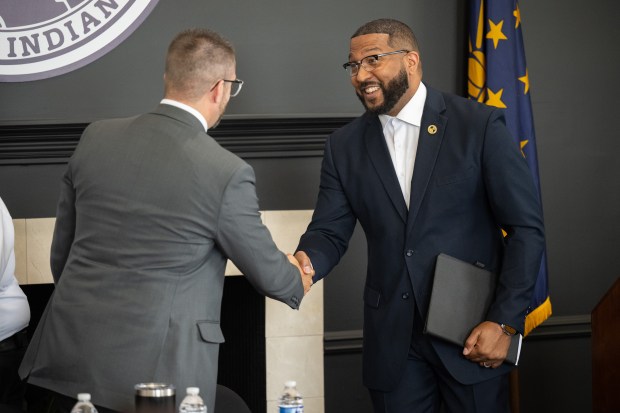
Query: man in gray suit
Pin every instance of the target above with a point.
(150, 209)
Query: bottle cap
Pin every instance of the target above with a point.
(83, 397)
(193, 391)
(290, 383)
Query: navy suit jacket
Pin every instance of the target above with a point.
(470, 180)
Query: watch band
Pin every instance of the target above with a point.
(509, 331)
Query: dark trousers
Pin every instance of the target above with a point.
(42, 400)
(12, 388)
(427, 387)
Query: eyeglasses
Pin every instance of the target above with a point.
(235, 86)
(369, 63)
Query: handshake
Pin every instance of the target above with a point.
(303, 264)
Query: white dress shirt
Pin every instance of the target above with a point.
(14, 308)
(187, 109)
(401, 135)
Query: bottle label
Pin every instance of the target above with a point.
(291, 409)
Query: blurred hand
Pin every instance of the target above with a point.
(306, 278)
(487, 345)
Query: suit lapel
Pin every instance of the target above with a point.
(431, 135)
(380, 158)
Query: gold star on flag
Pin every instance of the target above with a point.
(523, 143)
(517, 14)
(495, 99)
(526, 81)
(495, 32)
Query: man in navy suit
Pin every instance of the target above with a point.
(425, 173)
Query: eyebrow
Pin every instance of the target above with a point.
(372, 49)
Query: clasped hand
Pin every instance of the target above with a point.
(302, 262)
(487, 345)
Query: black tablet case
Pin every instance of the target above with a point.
(461, 296)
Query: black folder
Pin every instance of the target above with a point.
(461, 296)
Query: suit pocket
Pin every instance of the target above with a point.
(456, 177)
(210, 332)
(372, 297)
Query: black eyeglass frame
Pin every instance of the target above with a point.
(237, 82)
(353, 67)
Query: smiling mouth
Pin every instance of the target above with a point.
(369, 90)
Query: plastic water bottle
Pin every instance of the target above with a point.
(192, 403)
(291, 400)
(83, 404)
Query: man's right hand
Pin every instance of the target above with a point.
(305, 269)
(304, 262)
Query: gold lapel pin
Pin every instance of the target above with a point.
(432, 129)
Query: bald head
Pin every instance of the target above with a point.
(196, 59)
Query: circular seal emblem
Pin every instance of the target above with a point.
(46, 38)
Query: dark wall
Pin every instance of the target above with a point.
(289, 53)
(575, 88)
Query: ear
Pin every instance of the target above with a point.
(413, 61)
(217, 92)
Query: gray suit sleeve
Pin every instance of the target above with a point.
(64, 229)
(247, 242)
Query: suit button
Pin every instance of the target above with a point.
(405, 296)
(409, 253)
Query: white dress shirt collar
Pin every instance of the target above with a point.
(186, 108)
(412, 111)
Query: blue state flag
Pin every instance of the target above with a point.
(498, 76)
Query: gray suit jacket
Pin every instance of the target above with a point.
(150, 209)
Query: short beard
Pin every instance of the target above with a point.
(395, 89)
(217, 122)
(222, 110)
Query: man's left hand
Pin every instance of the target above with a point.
(487, 345)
